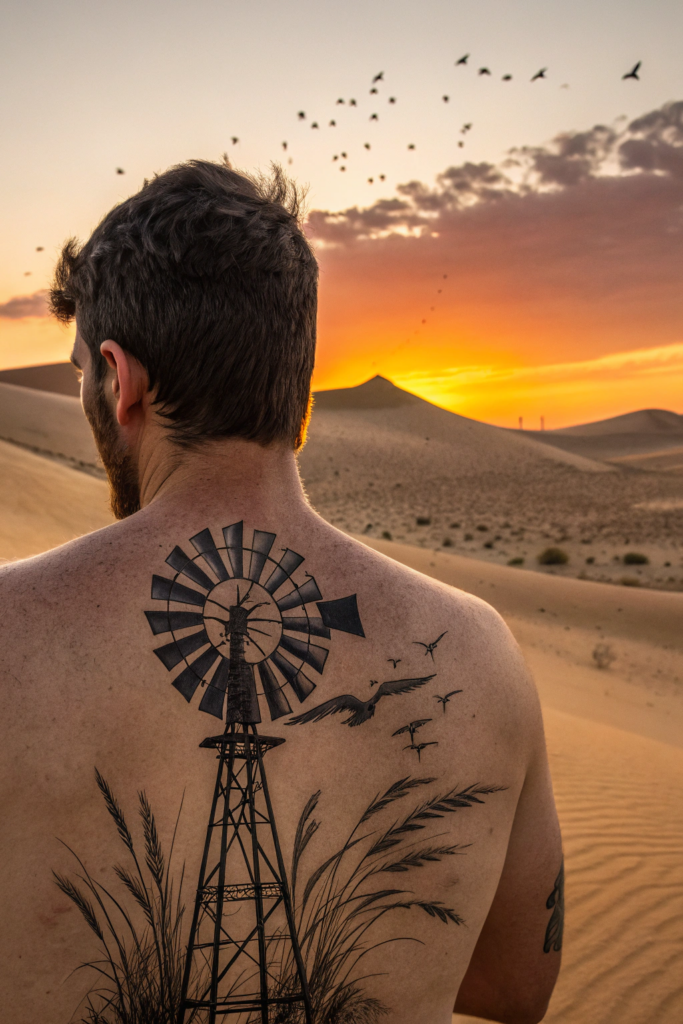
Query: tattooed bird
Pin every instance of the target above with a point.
(430, 648)
(446, 698)
(633, 73)
(411, 727)
(419, 747)
(463, 60)
(360, 711)
(539, 74)
(394, 661)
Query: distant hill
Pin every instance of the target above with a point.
(643, 421)
(376, 393)
(59, 378)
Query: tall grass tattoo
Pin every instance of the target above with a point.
(141, 968)
(336, 910)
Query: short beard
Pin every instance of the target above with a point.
(120, 465)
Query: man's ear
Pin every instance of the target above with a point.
(130, 385)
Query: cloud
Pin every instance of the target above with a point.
(25, 305)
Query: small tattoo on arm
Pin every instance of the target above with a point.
(553, 933)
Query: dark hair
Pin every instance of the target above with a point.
(204, 276)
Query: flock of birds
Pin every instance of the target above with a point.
(361, 711)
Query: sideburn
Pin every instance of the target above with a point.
(119, 464)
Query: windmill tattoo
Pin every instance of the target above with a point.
(227, 625)
(446, 698)
(430, 648)
(359, 711)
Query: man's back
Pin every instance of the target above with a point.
(408, 722)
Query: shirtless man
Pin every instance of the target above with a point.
(407, 712)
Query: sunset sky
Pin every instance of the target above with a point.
(533, 270)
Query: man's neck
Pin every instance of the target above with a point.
(257, 481)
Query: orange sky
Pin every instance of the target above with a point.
(549, 288)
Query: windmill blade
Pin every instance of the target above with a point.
(233, 541)
(306, 624)
(164, 622)
(300, 683)
(342, 615)
(214, 695)
(286, 566)
(278, 705)
(260, 549)
(301, 595)
(312, 654)
(204, 543)
(172, 654)
(181, 562)
(190, 678)
(166, 590)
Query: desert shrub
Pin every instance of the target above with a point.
(423, 521)
(603, 655)
(447, 543)
(516, 561)
(629, 581)
(386, 535)
(482, 528)
(635, 558)
(553, 556)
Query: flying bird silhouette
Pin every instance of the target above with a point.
(301, 115)
(359, 711)
(445, 98)
(370, 181)
(333, 124)
(392, 99)
(633, 73)
(120, 170)
(446, 698)
(466, 127)
(234, 140)
(461, 144)
(419, 747)
(367, 145)
(374, 117)
(342, 168)
(335, 157)
(383, 177)
(344, 156)
(284, 145)
(374, 92)
(539, 74)
(352, 103)
(507, 78)
(430, 648)
(340, 100)
(411, 727)
(315, 124)
(463, 60)
(40, 248)
(378, 78)
(484, 71)
(394, 661)
(411, 145)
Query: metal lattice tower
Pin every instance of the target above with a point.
(239, 951)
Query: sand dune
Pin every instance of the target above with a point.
(59, 378)
(43, 504)
(643, 421)
(46, 422)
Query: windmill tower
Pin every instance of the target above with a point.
(243, 957)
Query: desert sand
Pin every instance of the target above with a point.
(615, 735)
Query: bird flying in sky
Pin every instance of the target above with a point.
(419, 747)
(507, 78)
(411, 727)
(378, 78)
(430, 648)
(234, 140)
(539, 74)
(463, 60)
(633, 73)
(484, 71)
(359, 711)
(446, 698)
(120, 170)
